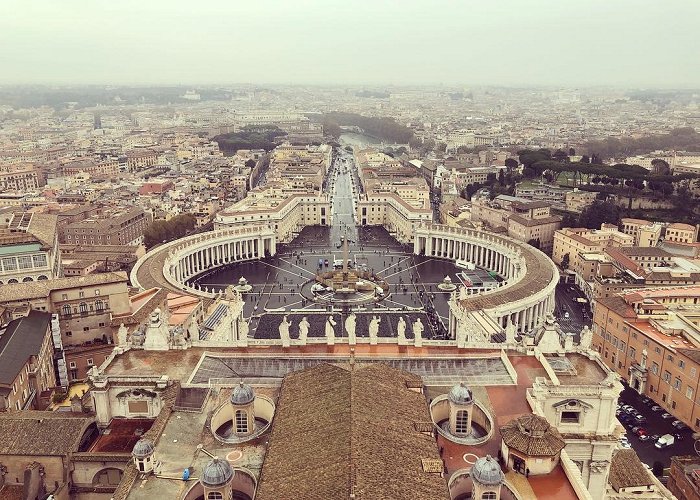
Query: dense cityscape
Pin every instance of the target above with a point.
(319, 291)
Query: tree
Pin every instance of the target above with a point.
(560, 155)
(572, 152)
(534, 242)
(440, 147)
(585, 159)
(501, 177)
(660, 167)
(250, 163)
(599, 212)
(657, 469)
(511, 164)
(565, 261)
(160, 231)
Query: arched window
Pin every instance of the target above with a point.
(66, 309)
(83, 307)
(27, 279)
(215, 495)
(12, 280)
(42, 278)
(99, 305)
(461, 421)
(488, 495)
(241, 422)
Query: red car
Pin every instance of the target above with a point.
(641, 431)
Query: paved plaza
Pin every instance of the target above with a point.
(281, 283)
(435, 372)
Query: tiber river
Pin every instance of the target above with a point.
(357, 140)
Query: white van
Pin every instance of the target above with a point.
(665, 441)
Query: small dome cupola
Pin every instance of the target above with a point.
(461, 395)
(216, 474)
(487, 471)
(243, 394)
(143, 455)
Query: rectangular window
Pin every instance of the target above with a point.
(241, 422)
(25, 262)
(693, 372)
(667, 376)
(570, 417)
(655, 368)
(689, 392)
(9, 264)
(89, 362)
(657, 349)
(39, 260)
(677, 384)
(681, 364)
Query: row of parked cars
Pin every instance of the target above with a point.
(631, 418)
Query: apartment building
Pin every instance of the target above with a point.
(645, 233)
(20, 178)
(525, 220)
(287, 212)
(681, 233)
(111, 227)
(29, 248)
(651, 338)
(26, 361)
(576, 241)
(576, 200)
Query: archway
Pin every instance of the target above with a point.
(110, 476)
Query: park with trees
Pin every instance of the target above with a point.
(163, 231)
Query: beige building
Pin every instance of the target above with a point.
(528, 221)
(576, 241)
(20, 178)
(645, 233)
(84, 305)
(576, 200)
(681, 233)
(110, 227)
(287, 212)
(651, 338)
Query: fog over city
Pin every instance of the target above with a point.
(509, 42)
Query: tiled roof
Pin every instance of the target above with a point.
(338, 428)
(41, 433)
(533, 436)
(617, 305)
(626, 471)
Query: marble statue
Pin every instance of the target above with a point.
(350, 324)
(510, 332)
(243, 330)
(418, 332)
(121, 335)
(401, 330)
(284, 331)
(374, 329)
(586, 338)
(330, 330)
(303, 330)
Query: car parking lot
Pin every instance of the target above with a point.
(654, 424)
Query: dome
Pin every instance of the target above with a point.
(460, 394)
(486, 471)
(217, 473)
(242, 394)
(143, 448)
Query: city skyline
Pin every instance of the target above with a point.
(407, 43)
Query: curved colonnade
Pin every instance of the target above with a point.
(171, 265)
(530, 277)
(524, 298)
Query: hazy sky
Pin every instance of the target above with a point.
(508, 42)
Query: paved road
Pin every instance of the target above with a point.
(565, 302)
(655, 425)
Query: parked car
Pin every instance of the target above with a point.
(665, 441)
(645, 400)
(644, 437)
(641, 431)
(679, 425)
(655, 437)
(679, 437)
(635, 429)
(666, 415)
(624, 442)
(640, 418)
(656, 408)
